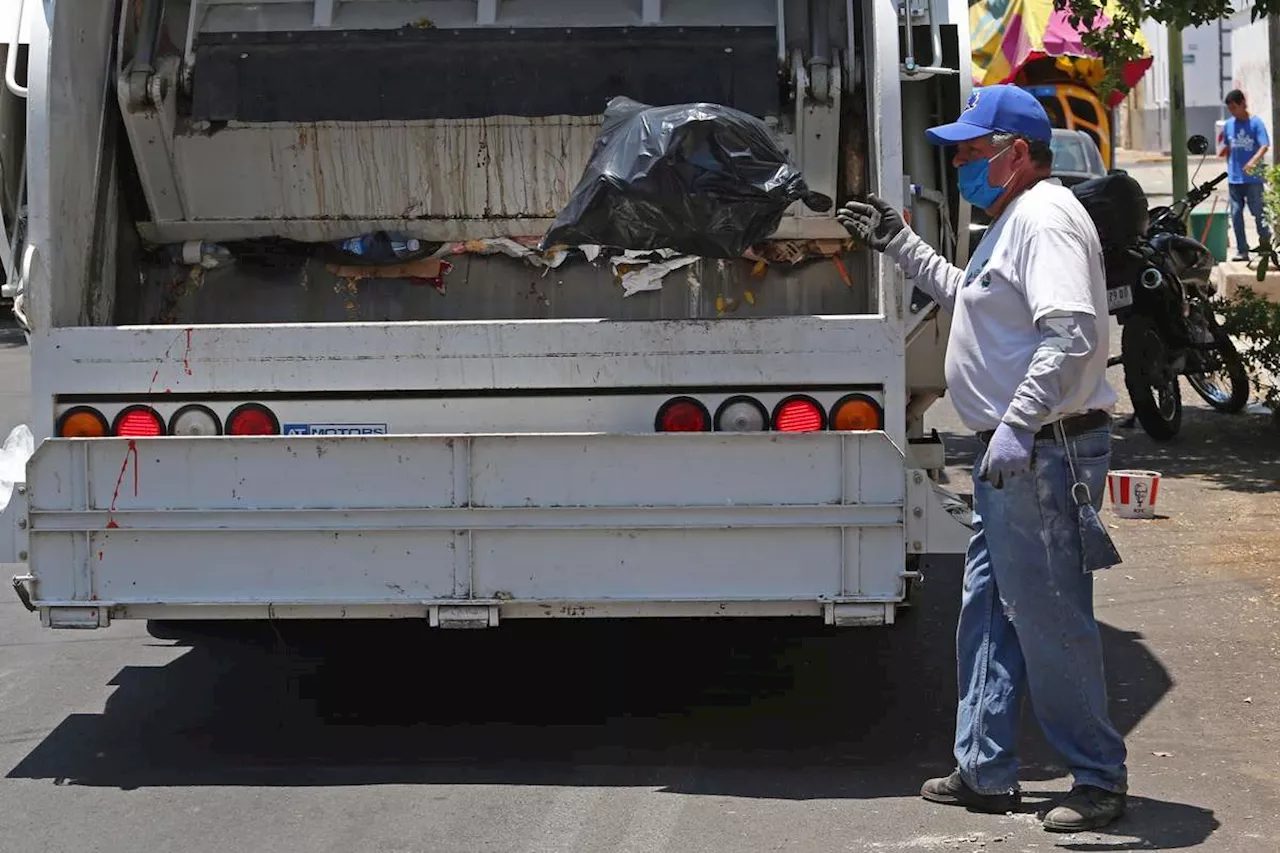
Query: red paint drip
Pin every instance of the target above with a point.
(131, 453)
(164, 359)
(133, 447)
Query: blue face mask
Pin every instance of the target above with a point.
(975, 185)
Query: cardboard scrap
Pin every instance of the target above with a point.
(426, 271)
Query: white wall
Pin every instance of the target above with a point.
(1202, 69)
(1251, 69)
(1204, 85)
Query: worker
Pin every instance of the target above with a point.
(1025, 368)
(1244, 144)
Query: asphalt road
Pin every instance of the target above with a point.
(598, 738)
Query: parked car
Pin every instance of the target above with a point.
(1076, 157)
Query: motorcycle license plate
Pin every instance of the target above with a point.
(1119, 297)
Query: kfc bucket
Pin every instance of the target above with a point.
(1133, 493)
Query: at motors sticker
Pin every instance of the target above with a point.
(335, 429)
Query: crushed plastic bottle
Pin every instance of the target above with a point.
(381, 246)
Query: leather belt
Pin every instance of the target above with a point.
(1071, 425)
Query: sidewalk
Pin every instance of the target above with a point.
(1133, 155)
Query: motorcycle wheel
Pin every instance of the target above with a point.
(1227, 388)
(1153, 387)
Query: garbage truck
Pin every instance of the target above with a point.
(296, 353)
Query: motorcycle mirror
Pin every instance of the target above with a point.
(1197, 144)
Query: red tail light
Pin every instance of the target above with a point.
(683, 414)
(799, 414)
(138, 422)
(252, 419)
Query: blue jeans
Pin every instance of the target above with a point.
(1250, 194)
(1027, 626)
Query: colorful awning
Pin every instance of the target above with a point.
(1006, 35)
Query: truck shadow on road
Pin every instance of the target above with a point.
(754, 710)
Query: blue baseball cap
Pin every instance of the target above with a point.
(996, 109)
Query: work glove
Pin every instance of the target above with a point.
(1008, 454)
(874, 221)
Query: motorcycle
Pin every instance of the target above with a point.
(1158, 289)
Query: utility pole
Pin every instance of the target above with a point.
(1178, 112)
(1273, 57)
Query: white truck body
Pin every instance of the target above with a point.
(490, 452)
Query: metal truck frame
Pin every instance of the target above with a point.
(466, 470)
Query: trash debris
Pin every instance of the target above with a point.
(426, 271)
(1248, 700)
(844, 273)
(14, 453)
(379, 248)
(795, 251)
(726, 305)
(196, 253)
(1163, 754)
(650, 276)
(699, 179)
(550, 259)
(633, 256)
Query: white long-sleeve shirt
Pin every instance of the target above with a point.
(1030, 334)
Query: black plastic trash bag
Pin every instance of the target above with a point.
(700, 179)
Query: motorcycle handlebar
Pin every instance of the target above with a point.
(1211, 184)
(1194, 197)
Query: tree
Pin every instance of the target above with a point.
(1115, 43)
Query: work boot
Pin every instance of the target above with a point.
(1085, 808)
(952, 791)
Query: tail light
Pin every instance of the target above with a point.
(856, 413)
(682, 414)
(252, 419)
(194, 420)
(82, 422)
(799, 413)
(741, 414)
(138, 422)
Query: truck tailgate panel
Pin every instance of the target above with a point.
(374, 519)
